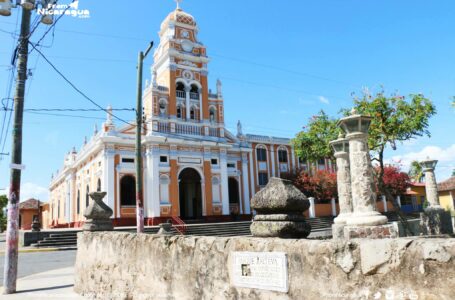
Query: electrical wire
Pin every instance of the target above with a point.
(76, 88)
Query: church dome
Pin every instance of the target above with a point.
(178, 15)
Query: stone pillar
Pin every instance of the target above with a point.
(365, 221)
(312, 211)
(341, 147)
(246, 190)
(224, 182)
(434, 220)
(280, 207)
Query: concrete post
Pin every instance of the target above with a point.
(431, 187)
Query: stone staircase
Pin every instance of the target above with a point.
(68, 239)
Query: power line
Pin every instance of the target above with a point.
(64, 115)
(76, 88)
(73, 109)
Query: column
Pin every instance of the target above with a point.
(341, 148)
(363, 196)
(201, 116)
(224, 182)
(384, 203)
(272, 158)
(431, 187)
(246, 191)
(334, 207)
(152, 199)
(108, 178)
(68, 200)
(252, 182)
(312, 210)
(187, 101)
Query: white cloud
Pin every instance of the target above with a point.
(31, 190)
(445, 157)
(324, 100)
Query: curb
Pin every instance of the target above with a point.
(42, 250)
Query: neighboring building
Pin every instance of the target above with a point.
(28, 210)
(193, 166)
(446, 190)
(414, 198)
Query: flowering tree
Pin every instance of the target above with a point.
(395, 181)
(322, 185)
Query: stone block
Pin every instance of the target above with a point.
(435, 221)
(338, 231)
(370, 232)
(280, 206)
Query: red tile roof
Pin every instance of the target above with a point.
(29, 204)
(447, 185)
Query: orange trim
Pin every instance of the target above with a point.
(205, 98)
(208, 187)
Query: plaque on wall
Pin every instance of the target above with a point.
(260, 270)
(189, 160)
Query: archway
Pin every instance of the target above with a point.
(234, 199)
(190, 194)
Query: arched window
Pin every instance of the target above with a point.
(261, 154)
(180, 90)
(194, 92)
(163, 106)
(98, 185)
(179, 111)
(212, 114)
(192, 113)
(128, 190)
(87, 197)
(282, 155)
(78, 202)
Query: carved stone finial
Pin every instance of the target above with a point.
(239, 129)
(98, 214)
(280, 206)
(218, 88)
(95, 130)
(178, 3)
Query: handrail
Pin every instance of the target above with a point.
(181, 226)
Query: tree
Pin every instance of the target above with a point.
(312, 143)
(396, 181)
(3, 203)
(322, 185)
(416, 172)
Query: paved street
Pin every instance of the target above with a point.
(36, 262)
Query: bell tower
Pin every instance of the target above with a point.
(178, 92)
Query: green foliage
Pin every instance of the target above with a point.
(416, 172)
(312, 143)
(3, 203)
(395, 119)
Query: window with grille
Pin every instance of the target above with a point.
(263, 179)
(282, 156)
(261, 154)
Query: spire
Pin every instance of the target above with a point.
(218, 88)
(95, 130)
(85, 140)
(239, 129)
(109, 115)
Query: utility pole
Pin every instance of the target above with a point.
(11, 253)
(139, 186)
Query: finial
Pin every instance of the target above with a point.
(218, 88)
(178, 3)
(85, 140)
(74, 149)
(239, 129)
(109, 115)
(95, 130)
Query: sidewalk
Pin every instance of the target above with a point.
(55, 284)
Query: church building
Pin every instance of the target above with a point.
(193, 167)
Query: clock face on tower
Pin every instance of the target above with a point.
(187, 46)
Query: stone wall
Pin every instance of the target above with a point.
(114, 265)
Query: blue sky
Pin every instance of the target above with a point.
(280, 63)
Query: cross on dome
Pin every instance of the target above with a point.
(178, 3)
